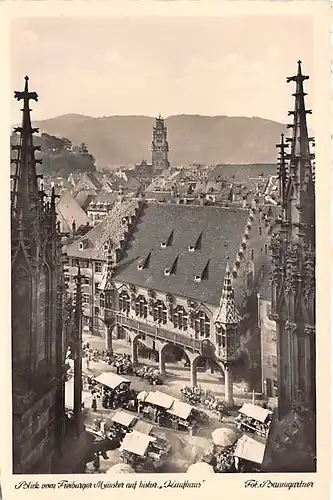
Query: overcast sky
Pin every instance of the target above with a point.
(234, 66)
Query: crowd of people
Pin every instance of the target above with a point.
(221, 459)
(249, 424)
(149, 373)
(197, 396)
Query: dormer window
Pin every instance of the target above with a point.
(106, 246)
(167, 271)
(168, 241)
(195, 244)
(201, 273)
(143, 263)
(81, 245)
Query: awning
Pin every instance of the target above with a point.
(160, 399)
(120, 469)
(142, 396)
(224, 437)
(137, 443)
(111, 380)
(142, 426)
(250, 449)
(255, 411)
(124, 418)
(200, 469)
(180, 409)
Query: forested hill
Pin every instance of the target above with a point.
(121, 140)
(60, 156)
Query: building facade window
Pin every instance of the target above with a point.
(85, 320)
(249, 279)
(268, 309)
(124, 302)
(160, 312)
(202, 325)
(102, 300)
(98, 267)
(85, 298)
(85, 280)
(180, 318)
(141, 307)
(96, 288)
(96, 311)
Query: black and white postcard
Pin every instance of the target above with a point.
(165, 206)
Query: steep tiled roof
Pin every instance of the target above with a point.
(84, 198)
(111, 228)
(221, 231)
(243, 172)
(69, 210)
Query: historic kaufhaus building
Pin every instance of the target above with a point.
(175, 275)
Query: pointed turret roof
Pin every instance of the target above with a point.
(228, 313)
(300, 155)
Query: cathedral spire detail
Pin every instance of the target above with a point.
(26, 193)
(300, 155)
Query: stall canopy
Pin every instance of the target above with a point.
(124, 418)
(224, 437)
(250, 449)
(120, 469)
(143, 427)
(160, 399)
(200, 468)
(142, 396)
(180, 409)
(137, 443)
(255, 411)
(111, 380)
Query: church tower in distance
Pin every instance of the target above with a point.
(37, 357)
(160, 146)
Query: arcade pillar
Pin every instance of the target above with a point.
(161, 358)
(228, 385)
(108, 339)
(193, 370)
(134, 351)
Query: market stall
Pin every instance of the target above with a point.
(116, 389)
(154, 405)
(144, 453)
(181, 416)
(249, 454)
(255, 419)
(121, 423)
